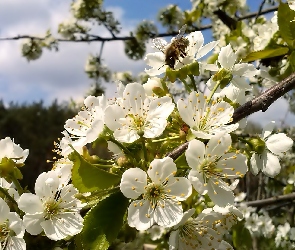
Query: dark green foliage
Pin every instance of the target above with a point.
(34, 127)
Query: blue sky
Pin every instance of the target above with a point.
(61, 75)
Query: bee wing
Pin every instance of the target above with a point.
(160, 44)
(181, 31)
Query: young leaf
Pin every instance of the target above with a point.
(103, 222)
(267, 53)
(88, 178)
(286, 24)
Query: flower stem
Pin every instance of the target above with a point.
(120, 145)
(213, 91)
(167, 139)
(144, 151)
(17, 185)
(7, 195)
(186, 86)
(193, 82)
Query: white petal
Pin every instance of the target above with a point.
(219, 195)
(245, 69)
(271, 165)
(197, 39)
(4, 211)
(218, 144)
(33, 223)
(279, 143)
(65, 225)
(169, 214)
(15, 243)
(179, 188)
(112, 115)
(133, 182)
(173, 240)
(256, 164)
(125, 134)
(227, 57)
(206, 49)
(195, 154)
(161, 169)
(140, 215)
(197, 180)
(47, 184)
(233, 165)
(241, 83)
(16, 224)
(30, 203)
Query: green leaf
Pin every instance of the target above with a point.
(88, 178)
(103, 222)
(286, 24)
(241, 237)
(267, 53)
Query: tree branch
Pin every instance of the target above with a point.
(95, 38)
(271, 201)
(261, 102)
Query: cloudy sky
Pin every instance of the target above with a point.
(61, 75)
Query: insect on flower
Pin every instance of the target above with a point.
(174, 50)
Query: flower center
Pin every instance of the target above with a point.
(154, 193)
(4, 234)
(51, 209)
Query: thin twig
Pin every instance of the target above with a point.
(260, 9)
(125, 38)
(271, 201)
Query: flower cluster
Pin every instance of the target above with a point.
(191, 195)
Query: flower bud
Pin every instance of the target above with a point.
(257, 145)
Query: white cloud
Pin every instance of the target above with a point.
(55, 75)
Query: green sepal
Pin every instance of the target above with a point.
(88, 178)
(103, 222)
(223, 78)
(171, 74)
(194, 68)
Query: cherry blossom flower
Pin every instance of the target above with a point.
(194, 51)
(12, 229)
(87, 125)
(206, 120)
(138, 115)
(203, 232)
(227, 60)
(160, 196)
(274, 145)
(12, 151)
(53, 209)
(212, 164)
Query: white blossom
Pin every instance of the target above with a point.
(227, 59)
(160, 195)
(53, 209)
(212, 165)
(87, 125)
(203, 232)
(12, 151)
(12, 229)
(275, 145)
(138, 115)
(206, 120)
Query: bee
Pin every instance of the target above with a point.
(174, 50)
